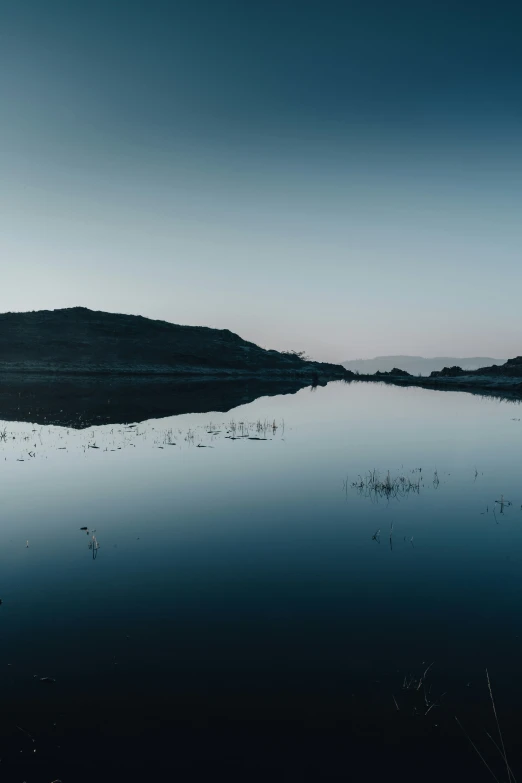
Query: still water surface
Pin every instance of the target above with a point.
(246, 583)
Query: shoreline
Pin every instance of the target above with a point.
(506, 386)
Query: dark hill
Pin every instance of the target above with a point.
(510, 369)
(81, 341)
(416, 365)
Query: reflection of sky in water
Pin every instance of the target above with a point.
(248, 567)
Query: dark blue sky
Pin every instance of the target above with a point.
(208, 162)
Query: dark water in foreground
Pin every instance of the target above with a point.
(242, 617)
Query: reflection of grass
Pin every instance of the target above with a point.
(372, 485)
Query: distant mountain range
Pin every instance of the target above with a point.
(418, 365)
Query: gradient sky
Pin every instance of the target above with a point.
(343, 178)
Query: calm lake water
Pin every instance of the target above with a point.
(237, 609)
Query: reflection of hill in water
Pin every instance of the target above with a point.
(86, 401)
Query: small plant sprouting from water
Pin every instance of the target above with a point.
(262, 427)
(415, 683)
(416, 697)
(94, 546)
(502, 503)
(372, 485)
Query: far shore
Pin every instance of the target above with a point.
(505, 386)
(309, 374)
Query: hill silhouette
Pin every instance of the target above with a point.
(83, 341)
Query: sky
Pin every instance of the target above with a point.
(343, 178)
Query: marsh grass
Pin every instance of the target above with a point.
(247, 429)
(168, 438)
(416, 696)
(374, 486)
(501, 750)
